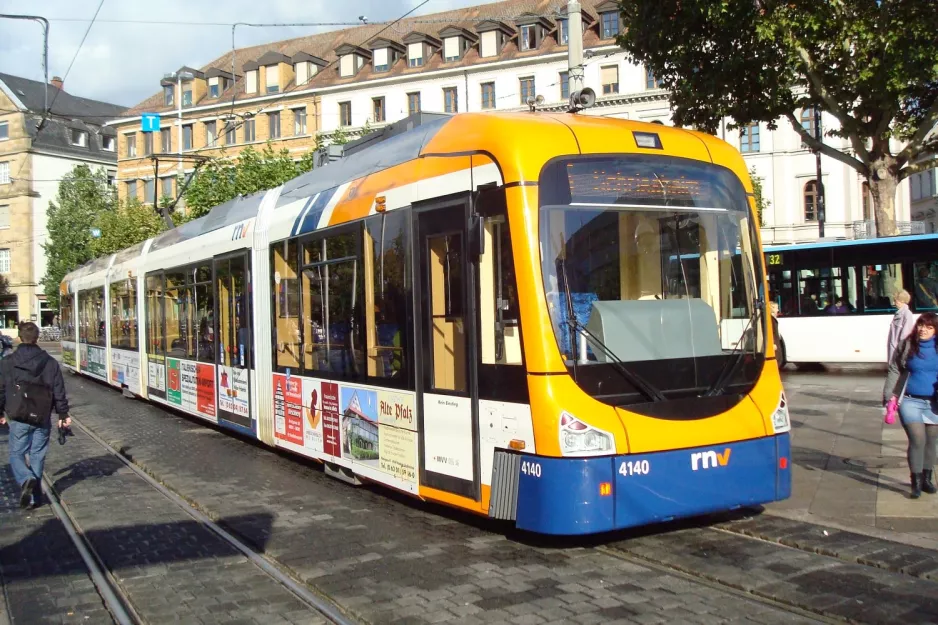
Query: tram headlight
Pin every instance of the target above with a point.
(780, 420)
(580, 439)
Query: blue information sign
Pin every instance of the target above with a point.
(150, 122)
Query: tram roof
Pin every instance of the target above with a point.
(794, 247)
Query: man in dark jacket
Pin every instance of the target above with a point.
(31, 365)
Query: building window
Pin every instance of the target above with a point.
(563, 32)
(231, 137)
(187, 97)
(149, 188)
(299, 122)
(610, 79)
(166, 187)
(273, 125)
(564, 85)
(808, 120)
(528, 38)
(749, 138)
(4, 131)
(249, 130)
(211, 134)
(810, 200)
(377, 109)
(166, 140)
(250, 85)
(488, 95)
(131, 141)
(271, 78)
(187, 137)
(415, 55)
(5, 261)
(79, 138)
(382, 59)
(527, 89)
(450, 97)
(413, 103)
(610, 24)
(147, 143)
(131, 188)
(213, 90)
(650, 81)
(107, 144)
(345, 113)
(867, 202)
(452, 49)
(168, 95)
(4, 215)
(4, 173)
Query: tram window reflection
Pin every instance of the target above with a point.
(286, 285)
(123, 296)
(500, 326)
(175, 309)
(386, 327)
(155, 315)
(925, 292)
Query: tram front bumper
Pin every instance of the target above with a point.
(589, 495)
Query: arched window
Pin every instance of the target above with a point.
(810, 200)
(867, 202)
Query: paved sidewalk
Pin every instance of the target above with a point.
(849, 467)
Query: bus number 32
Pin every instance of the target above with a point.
(634, 467)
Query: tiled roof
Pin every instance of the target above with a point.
(32, 94)
(324, 45)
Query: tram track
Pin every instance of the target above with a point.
(120, 601)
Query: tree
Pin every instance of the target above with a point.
(83, 194)
(219, 181)
(128, 224)
(873, 66)
(761, 202)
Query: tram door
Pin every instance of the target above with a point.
(233, 329)
(448, 401)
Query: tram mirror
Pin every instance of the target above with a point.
(476, 236)
(490, 201)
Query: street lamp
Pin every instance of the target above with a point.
(178, 77)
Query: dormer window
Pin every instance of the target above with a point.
(415, 55)
(272, 81)
(456, 41)
(351, 59)
(563, 32)
(305, 66)
(532, 29)
(382, 62)
(107, 144)
(213, 89)
(168, 91)
(420, 48)
(79, 138)
(528, 37)
(218, 82)
(494, 35)
(251, 69)
(609, 24)
(187, 95)
(385, 53)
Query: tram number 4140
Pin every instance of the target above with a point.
(634, 467)
(531, 468)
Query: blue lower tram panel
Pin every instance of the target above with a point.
(590, 495)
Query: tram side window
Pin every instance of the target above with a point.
(67, 322)
(386, 328)
(155, 314)
(91, 311)
(202, 341)
(500, 320)
(925, 290)
(286, 285)
(880, 284)
(175, 307)
(333, 334)
(123, 295)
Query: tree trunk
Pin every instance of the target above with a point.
(884, 181)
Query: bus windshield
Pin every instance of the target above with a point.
(649, 266)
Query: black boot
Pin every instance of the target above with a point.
(927, 484)
(916, 486)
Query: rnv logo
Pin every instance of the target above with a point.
(709, 459)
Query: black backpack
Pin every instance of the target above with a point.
(30, 401)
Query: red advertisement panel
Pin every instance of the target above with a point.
(205, 389)
(332, 442)
(288, 409)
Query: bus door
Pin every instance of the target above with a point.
(233, 344)
(446, 345)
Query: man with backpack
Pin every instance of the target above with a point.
(31, 385)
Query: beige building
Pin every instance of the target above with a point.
(34, 156)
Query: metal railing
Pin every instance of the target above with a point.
(867, 229)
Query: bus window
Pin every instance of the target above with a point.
(822, 291)
(925, 291)
(123, 295)
(386, 328)
(286, 305)
(880, 284)
(175, 306)
(780, 292)
(500, 326)
(155, 345)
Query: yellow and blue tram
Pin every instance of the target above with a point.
(552, 319)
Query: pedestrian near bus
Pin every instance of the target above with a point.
(913, 380)
(902, 323)
(31, 386)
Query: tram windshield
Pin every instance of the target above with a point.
(650, 274)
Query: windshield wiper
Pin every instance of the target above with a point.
(732, 364)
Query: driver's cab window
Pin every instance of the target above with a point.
(500, 321)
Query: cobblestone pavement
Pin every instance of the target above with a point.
(389, 559)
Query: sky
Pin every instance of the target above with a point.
(122, 63)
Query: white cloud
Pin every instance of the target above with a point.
(123, 63)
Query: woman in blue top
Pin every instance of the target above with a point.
(914, 366)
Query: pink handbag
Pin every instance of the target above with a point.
(891, 409)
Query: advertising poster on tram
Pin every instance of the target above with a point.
(125, 369)
(69, 355)
(233, 391)
(94, 361)
(331, 432)
(156, 376)
(397, 435)
(359, 425)
(173, 386)
(288, 408)
(191, 386)
(312, 411)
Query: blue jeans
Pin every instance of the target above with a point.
(34, 442)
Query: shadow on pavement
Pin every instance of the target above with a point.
(104, 465)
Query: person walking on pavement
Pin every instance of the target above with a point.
(902, 323)
(31, 386)
(913, 379)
